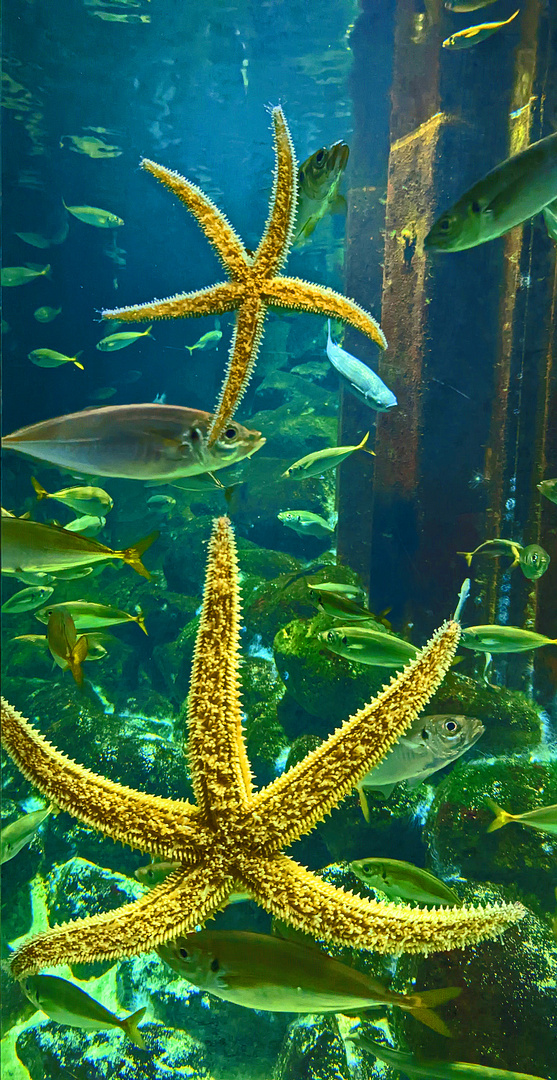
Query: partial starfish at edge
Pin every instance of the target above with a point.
(256, 282)
(234, 838)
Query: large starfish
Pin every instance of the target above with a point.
(256, 283)
(234, 838)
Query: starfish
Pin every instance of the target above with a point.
(233, 838)
(256, 283)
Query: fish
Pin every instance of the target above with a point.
(209, 340)
(88, 615)
(10, 276)
(156, 872)
(18, 833)
(162, 502)
(128, 378)
(84, 500)
(462, 598)
(270, 973)
(65, 648)
(512, 192)
(305, 523)
(550, 218)
(46, 314)
(34, 239)
(533, 559)
(92, 215)
(462, 6)
(502, 639)
(321, 460)
(72, 572)
(364, 645)
(339, 607)
(543, 818)
(465, 39)
(114, 342)
(360, 379)
(87, 525)
(336, 588)
(435, 1070)
(549, 489)
(32, 546)
(135, 442)
(430, 743)
(27, 599)
(112, 16)
(403, 881)
(49, 358)
(319, 178)
(104, 393)
(67, 1003)
(95, 648)
(91, 146)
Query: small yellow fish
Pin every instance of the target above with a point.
(111, 16)
(21, 275)
(209, 340)
(543, 818)
(92, 215)
(401, 880)
(407, 1065)
(121, 341)
(89, 616)
(66, 650)
(533, 559)
(46, 314)
(49, 358)
(503, 639)
(87, 525)
(318, 462)
(305, 523)
(32, 546)
(67, 1003)
(464, 39)
(84, 500)
(18, 833)
(94, 148)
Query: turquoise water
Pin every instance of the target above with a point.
(471, 361)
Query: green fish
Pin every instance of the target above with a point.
(87, 525)
(503, 639)
(95, 648)
(270, 973)
(305, 523)
(549, 489)
(317, 463)
(65, 648)
(88, 616)
(339, 607)
(84, 500)
(111, 16)
(49, 358)
(121, 341)
(104, 393)
(319, 177)
(92, 215)
(511, 193)
(46, 314)
(27, 599)
(207, 341)
(11, 276)
(73, 572)
(18, 833)
(366, 646)
(543, 818)
(533, 559)
(465, 39)
(91, 146)
(67, 1003)
(550, 218)
(34, 239)
(435, 1070)
(467, 5)
(400, 880)
(336, 588)
(154, 873)
(32, 546)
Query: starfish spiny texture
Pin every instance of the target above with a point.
(234, 838)
(256, 282)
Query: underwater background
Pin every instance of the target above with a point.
(472, 361)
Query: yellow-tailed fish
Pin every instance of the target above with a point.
(472, 35)
(207, 341)
(550, 218)
(88, 616)
(67, 1003)
(155, 872)
(91, 146)
(269, 973)
(114, 342)
(84, 500)
(11, 276)
(338, 606)
(502, 639)
(46, 314)
(543, 818)
(533, 559)
(116, 17)
(335, 588)
(305, 523)
(49, 358)
(319, 178)
(549, 489)
(463, 6)
(511, 193)
(136, 442)
(32, 546)
(87, 525)
(65, 648)
(318, 462)
(95, 648)
(364, 645)
(27, 599)
(92, 215)
(435, 1070)
(18, 834)
(70, 573)
(403, 881)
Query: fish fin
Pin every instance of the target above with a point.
(130, 1027)
(362, 446)
(76, 658)
(384, 789)
(40, 491)
(426, 1001)
(132, 555)
(364, 806)
(501, 816)
(507, 21)
(433, 1021)
(190, 349)
(338, 205)
(140, 620)
(466, 555)
(148, 333)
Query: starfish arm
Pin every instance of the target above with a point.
(219, 764)
(243, 354)
(298, 295)
(298, 897)
(215, 225)
(215, 300)
(277, 238)
(163, 827)
(175, 907)
(291, 806)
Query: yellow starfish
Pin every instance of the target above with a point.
(256, 283)
(234, 838)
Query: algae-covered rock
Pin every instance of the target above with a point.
(262, 689)
(291, 433)
(173, 661)
(313, 1050)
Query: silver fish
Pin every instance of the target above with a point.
(360, 379)
(19, 833)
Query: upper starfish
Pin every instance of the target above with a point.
(256, 283)
(233, 840)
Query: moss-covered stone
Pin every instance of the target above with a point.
(262, 689)
(172, 664)
(312, 1050)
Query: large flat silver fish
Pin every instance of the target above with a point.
(135, 442)
(429, 744)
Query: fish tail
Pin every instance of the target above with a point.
(507, 21)
(190, 349)
(76, 358)
(501, 816)
(130, 1027)
(40, 491)
(76, 658)
(466, 555)
(148, 332)
(140, 620)
(363, 446)
(425, 1002)
(47, 272)
(364, 805)
(132, 555)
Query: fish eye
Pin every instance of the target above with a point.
(451, 727)
(444, 224)
(476, 208)
(149, 873)
(425, 733)
(231, 433)
(215, 966)
(195, 434)
(319, 156)
(184, 954)
(301, 176)
(367, 869)
(534, 557)
(331, 636)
